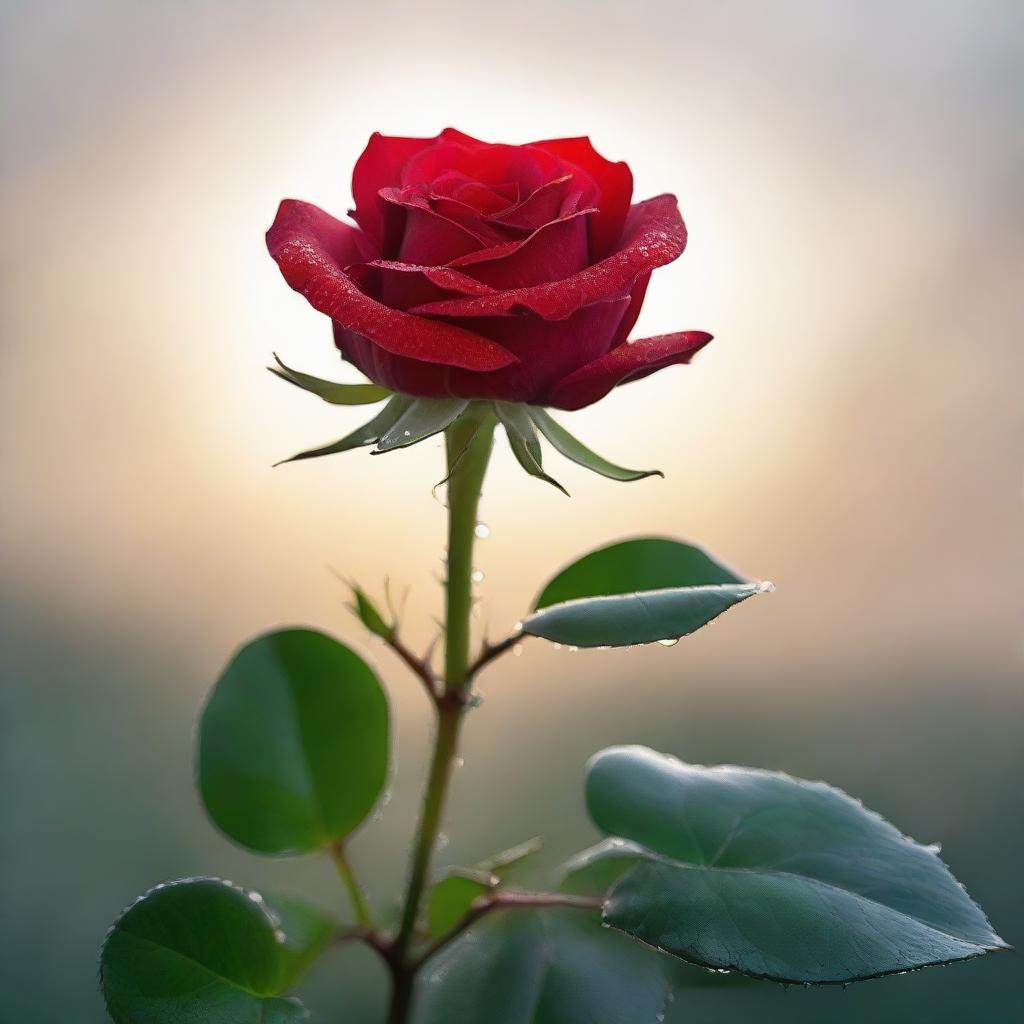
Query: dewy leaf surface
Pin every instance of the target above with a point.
(196, 950)
(636, 592)
(293, 743)
(550, 967)
(642, 563)
(775, 877)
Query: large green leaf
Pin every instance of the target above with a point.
(636, 592)
(593, 872)
(293, 743)
(575, 450)
(329, 390)
(641, 618)
(774, 877)
(196, 950)
(550, 967)
(642, 563)
(424, 418)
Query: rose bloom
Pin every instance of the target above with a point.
(488, 271)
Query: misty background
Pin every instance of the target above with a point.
(850, 176)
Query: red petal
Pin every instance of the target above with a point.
(625, 363)
(615, 180)
(380, 166)
(313, 249)
(655, 235)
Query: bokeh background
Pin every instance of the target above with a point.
(850, 173)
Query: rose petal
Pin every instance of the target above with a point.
(312, 249)
(654, 235)
(380, 166)
(615, 180)
(550, 253)
(548, 350)
(625, 363)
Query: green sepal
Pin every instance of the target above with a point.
(329, 390)
(523, 440)
(576, 451)
(367, 434)
(424, 418)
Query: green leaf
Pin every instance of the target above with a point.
(636, 592)
(550, 967)
(368, 614)
(293, 743)
(196, 950)
(329, 390)
(657, 615)
(643, 563)
(424, 418)
(594, 871)
(308, 931)
(502, 862)
(576, 451)
(368, 433)
(452, 896)
(775, 877)
(523, 440)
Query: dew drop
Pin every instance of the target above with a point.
(482, 531)
(406, 433)
(459, 762)
(766, 587)
(517, 628)
(557, 647)
(669, 641)
(477, 576)
(517, 651)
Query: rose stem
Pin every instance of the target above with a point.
(468, 443)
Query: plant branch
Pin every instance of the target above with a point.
(360, 907)
(420, 667)
(490, 652)
(507, 900)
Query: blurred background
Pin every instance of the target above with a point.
(850, 173)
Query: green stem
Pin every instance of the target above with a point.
(469, 441)
(360, 907)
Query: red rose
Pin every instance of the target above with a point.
(488, 271)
